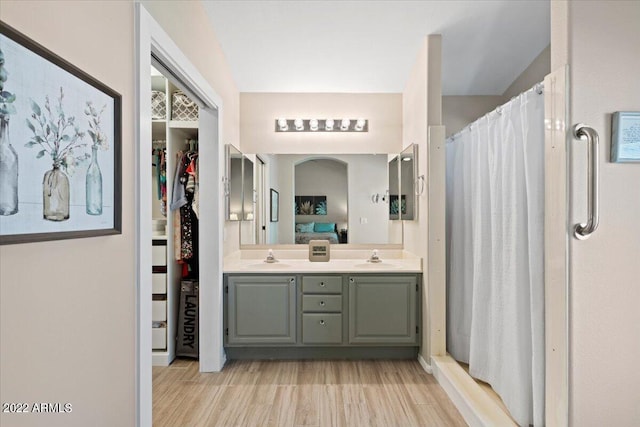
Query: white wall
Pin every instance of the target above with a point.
(534, 73)
(459, 111)
(362, 183)
(258, 112)
(421, 108)
(601, 41)
(67, 308)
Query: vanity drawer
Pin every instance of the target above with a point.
(322, 328)
(322, 284)
(322, 303)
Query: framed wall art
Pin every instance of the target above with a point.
(625, 136)
(60, 147)
(310, 205)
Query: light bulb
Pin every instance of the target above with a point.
(345, 124)
(313, 124)
(360, 124)
(299, 124)
(282, 124)
(328, 125)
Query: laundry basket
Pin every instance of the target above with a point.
(188, 333)
(158, 105)
(182, 108)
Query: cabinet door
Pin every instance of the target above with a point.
(261, 310)
(383, 310)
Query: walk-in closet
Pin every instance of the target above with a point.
(175, 220)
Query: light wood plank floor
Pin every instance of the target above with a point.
(301, 393)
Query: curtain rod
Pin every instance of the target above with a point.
(538, 88)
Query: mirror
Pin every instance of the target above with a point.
(248, 192)
(408, 179)
(335, 198)
(394, 188)
(239, 186)
(233, 183)
(320, 201)
(403, 176)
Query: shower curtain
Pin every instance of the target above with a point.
(495, 283)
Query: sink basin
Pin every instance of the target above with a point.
(376, 265)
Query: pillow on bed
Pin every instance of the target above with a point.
(324, 227)
(305, 227)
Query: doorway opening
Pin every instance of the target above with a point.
(155, 47)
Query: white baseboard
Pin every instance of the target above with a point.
(475, 406)
(160, 358)
(425, 365)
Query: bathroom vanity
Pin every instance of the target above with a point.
(344, 308)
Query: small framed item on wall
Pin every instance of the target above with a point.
(625, 136)
(275, 205)
(60, 173)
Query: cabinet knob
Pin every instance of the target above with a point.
(322, 284)
(322, 322)
(322, 303)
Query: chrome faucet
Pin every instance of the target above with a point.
(374, 257)
(270, 257)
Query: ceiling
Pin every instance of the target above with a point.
(370, 46)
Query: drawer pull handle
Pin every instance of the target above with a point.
(322, 322)
(322, 303)
(322, 284)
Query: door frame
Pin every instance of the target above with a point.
(152, 39)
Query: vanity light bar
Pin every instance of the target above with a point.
(321, 125)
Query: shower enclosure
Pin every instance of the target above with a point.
(495, 252)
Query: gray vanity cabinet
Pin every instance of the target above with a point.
(322, 310)
(261, 310)
(382, 310)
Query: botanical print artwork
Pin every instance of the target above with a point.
(53, 182)
(321, 207)
(310, 205)
(8, 155)
(396, 206)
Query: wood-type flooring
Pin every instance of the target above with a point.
(347, 393)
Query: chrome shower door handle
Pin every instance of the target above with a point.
(582, 132)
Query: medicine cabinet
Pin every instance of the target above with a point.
(239, 191)
(403, 185)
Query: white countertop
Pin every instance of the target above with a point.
(393, 261)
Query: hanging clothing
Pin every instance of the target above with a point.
(160, 161)
(179, 198)
(195, 205)
(185, 219)
(495, 283)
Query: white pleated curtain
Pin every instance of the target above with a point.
(495, 282)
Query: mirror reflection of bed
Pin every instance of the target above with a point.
(321, 200)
